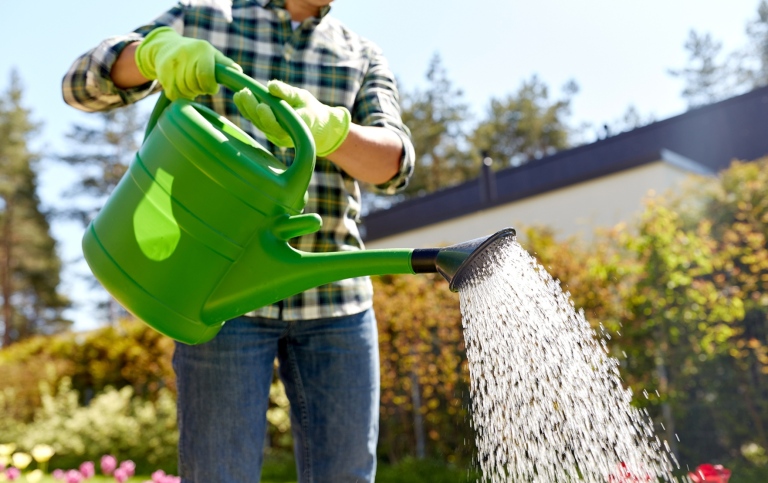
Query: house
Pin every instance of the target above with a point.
(577, 190)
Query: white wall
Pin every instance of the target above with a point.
(574, 210)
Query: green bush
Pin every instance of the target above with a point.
(129, 353)
(115, 422)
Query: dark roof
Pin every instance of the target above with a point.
(712, 136)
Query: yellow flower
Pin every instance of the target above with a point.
(35, 476)
(21, 460)
(7, 449)
(42, 453)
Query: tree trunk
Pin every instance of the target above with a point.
(666, 408)
(745, 388)
(7, 245)
(418, 419)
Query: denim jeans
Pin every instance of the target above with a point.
(330, 369)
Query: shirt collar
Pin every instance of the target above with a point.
(281, 4)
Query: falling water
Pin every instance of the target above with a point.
(548, 404)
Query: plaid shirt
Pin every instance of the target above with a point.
(320, 55)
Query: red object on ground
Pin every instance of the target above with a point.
(708, 473)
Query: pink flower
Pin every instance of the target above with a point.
(121, 475)
(12, 473)
(58, 474)
(73, 476)
(87, 469)
(129, 467)
(108, 464)
(159, 476)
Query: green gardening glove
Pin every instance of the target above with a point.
(329, 125)
(184, 66)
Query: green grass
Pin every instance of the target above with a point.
(423, 471)
(281, 469)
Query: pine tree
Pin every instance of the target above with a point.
(524, 126)
(436, 118)
(707, 77)
(29, 266)
(711, 75)
(756, 71)
(101, 156)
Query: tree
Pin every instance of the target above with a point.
(436, 119)
(101, 157)
(755, 72)
(738, 208)
(675, 305)
(524, 126)
(29, 265)
(711, 76)
(707, 78)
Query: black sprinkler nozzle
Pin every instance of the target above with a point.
(457, 263)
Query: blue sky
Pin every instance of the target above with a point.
(618, 52)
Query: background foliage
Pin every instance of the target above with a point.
(681, 294)
(29, 265)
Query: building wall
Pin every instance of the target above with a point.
(574, 210)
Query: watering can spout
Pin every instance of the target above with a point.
(276, 271)
(461, 262)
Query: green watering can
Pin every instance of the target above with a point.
(197, 231)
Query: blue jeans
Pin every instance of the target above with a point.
(330, 369)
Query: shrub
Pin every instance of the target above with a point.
(115, 422)
(127, 354)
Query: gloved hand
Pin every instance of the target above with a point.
(329, 125)
(184, 66)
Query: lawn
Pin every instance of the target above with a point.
(282, 471)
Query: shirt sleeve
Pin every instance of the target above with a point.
(87, 85)
(378, 104)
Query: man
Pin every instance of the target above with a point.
(325, 339)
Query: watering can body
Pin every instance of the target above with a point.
(197, 230)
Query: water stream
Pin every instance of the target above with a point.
(548, 404)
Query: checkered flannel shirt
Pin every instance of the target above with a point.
(321, 55)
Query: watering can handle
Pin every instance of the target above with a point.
(303, 164)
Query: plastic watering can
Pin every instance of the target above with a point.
(197, 231)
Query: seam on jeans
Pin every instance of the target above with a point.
(303, 416)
